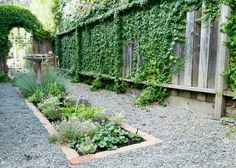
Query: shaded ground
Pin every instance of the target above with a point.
(189, 140)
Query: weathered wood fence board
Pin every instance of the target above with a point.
(41, 46)
(222, 64)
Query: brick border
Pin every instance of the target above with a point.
(74, 158)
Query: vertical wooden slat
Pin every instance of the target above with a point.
(212, 55)
(204, 52)
(196, 50)
(178, 52)
(221, 65)
(189, 48)
(191, 45)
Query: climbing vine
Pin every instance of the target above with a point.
(14, 16)
(154, 26)
(231, 44)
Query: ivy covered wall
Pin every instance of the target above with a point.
(155, 25)
(148, 28)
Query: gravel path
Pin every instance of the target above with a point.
(23, 140)
(189, 140)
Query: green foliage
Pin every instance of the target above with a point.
(26, 83)
(3, 77)
(50, 108)
(54, 81)
(14, 16)
(68, 131)
(105, 27)
(80, 111)
(87, 147)
(117, 119)
(36, 97)
(151, 94)
(97, 84)
(54, 84)
(110, 136)
(229, 28)
(88, 131)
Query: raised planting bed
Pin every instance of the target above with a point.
(102, 135)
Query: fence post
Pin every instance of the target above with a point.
(221, 65)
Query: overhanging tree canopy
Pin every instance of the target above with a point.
(15, 16)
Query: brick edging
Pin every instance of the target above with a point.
(74, 158)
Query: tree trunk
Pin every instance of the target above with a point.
(1, 64)
(5, 67)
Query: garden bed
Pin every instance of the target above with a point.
(75, 158)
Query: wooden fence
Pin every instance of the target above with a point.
(200, 86)
(205, 57)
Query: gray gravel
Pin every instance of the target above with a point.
(189, 140)
(23, 140)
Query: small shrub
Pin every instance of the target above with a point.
(68, 131)
(36, 97)
(117, 119)
(74, 131)
(50, 108)
(97, 84)
(68, 101)
(100, 117)
(87, 147)
(151, 94)
(3, 77)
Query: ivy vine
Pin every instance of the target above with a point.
(15, 16)
(157, 26)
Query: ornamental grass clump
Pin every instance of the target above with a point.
(54, 84)
(26, 82)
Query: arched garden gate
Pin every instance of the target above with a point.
(14, 16)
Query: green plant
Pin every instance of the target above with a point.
(68, 131)
(100, 117)
(54, 81)
(51, 109)
(117, 119)
(97, 84)
(87, 147)
(22, 18)
(151, 94)
(93, 40)
(36, 97)
(110, 136)
(26, 83)
(81, 111)
(74, 131)
(68, 101)
(3, 77)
